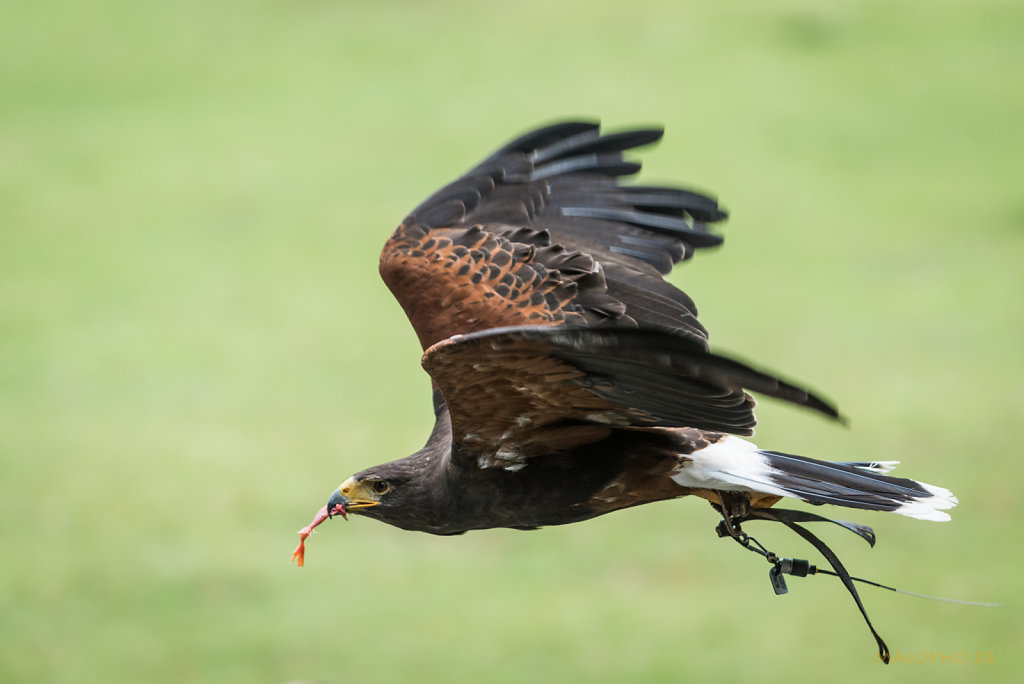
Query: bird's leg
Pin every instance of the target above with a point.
(734, 509)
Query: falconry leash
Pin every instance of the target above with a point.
(730, 527)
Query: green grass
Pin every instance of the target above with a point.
(195, 346)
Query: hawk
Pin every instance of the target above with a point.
(570, 380)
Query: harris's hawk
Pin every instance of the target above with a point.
(569, 378)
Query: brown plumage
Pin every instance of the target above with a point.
(570, 379)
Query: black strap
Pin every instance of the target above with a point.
(730, 526)
(785, 515)
(844, 576)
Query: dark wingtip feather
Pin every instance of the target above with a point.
(592, 142)
(544, 137)
(602, 164)
(676, 201)
(695, 233)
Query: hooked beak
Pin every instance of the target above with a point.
(351, 495)
(337, 505)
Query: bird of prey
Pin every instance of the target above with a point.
(569, 378)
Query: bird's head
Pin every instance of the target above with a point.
(359, 493)
(402, 493)
(409, 493)
(387, 495)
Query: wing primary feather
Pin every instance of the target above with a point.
(695, 233)
(542, 137)
(588, 143)
(604, 164)
(663, 199)
(674, 248)
(657, 259)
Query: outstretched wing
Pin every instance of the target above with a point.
(543, 233)
(515, 393)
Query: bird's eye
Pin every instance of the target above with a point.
(381, 487)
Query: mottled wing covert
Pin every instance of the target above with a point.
(460, 280)
(543, 233)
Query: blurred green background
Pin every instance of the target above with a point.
(195, 346)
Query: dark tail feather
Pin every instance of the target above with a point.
(857, 485)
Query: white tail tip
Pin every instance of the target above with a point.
(932, 507)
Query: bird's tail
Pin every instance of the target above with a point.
(857, 485)
(734, 464)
